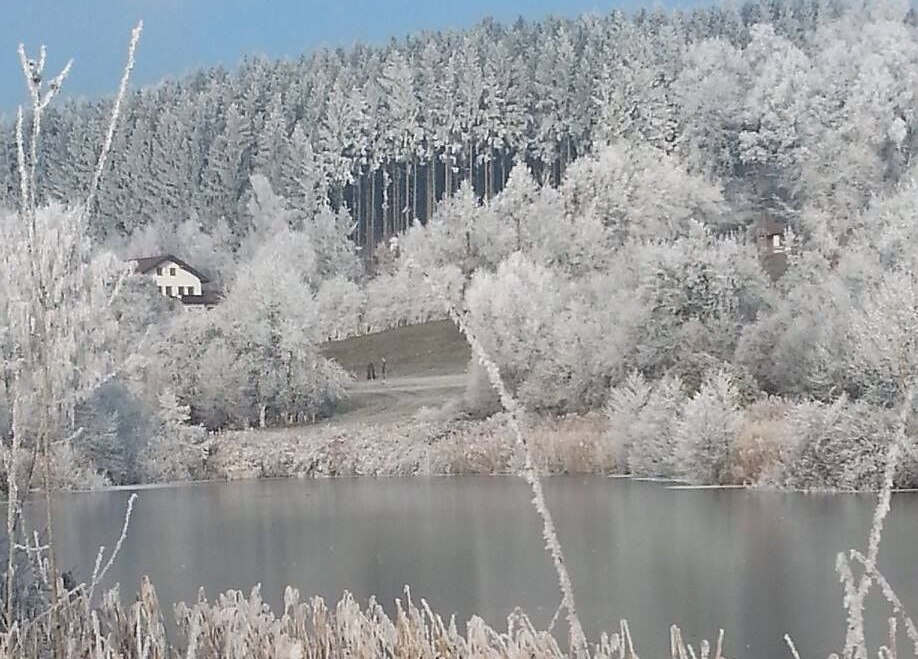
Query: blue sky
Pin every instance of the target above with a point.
(182, 35)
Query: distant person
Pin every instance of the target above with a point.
(371, 370)
(382, 367)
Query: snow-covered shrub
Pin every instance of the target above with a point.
(642, 419)
(839, 445)
(73, 470)
(699, 290)
(707, 431)
(177, 449)
(640, 192)
(341, 303)
(480, 399)
(760, 440)
(558, 342)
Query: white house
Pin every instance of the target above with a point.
(174, 277)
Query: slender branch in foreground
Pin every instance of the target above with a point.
(515, 410)
(113, 122)
(891, 597)
(98, 576)
(855, 639)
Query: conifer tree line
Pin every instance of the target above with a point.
(389, 131)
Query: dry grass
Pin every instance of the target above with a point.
(760, 439)
(236, 626)
(574, 444)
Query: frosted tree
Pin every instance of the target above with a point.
(701, 292)
(303, 182)
(643, 420)
(57, 300)
(707, 430)
(713, 69)
(778, 92)
(642, 193)
(885, 348)
(272, 142)
(800, 347)
(176, 451)
(224, 176)
(339, 135)
(402, 108)
(341, 304)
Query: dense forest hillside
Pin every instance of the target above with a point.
(785, 102)
(701, 223)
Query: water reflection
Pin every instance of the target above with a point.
(758, 564)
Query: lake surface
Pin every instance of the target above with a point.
(758, 564)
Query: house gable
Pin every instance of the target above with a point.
(174, 278)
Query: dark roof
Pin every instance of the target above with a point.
(207, 299)
(147, 263)
(769, 226)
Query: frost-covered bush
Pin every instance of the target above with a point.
(762, 436)
(479, 399)
(707, 431)
(406, 298)
(177, 449)
(116, 425)
(341, 305)
(839, 445)
(73, 469)
(558, 342)
(700, 291)
(640, 192)
(642, 418)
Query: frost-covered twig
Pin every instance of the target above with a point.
(891, 597)
(855, 639)
(33, 73)
(113, 122)
(512, 406)
(98, 576)
(21, 164)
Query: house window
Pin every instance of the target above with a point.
(172, 272)
(190, 290)
(159, 271)
(169, 291)
(160, 289)
(181, 290)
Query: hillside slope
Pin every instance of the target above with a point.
(425, 366)
(427, 349)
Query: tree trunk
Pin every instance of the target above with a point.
(371, 229)
(431, 186)
(414, 190)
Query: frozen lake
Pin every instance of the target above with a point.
(758, 564)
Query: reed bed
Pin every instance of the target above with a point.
(435, 447)
(236, 626)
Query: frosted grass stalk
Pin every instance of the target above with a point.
(791, 646)
(855, 639)
(113, 122)
(98, 576)
(893, 599)
(512, 406)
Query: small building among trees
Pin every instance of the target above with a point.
(771, 239)
(176, 279)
